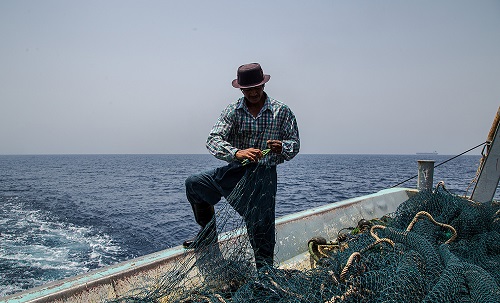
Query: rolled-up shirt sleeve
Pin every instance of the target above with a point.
(291, 139)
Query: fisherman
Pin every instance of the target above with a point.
(247, 127)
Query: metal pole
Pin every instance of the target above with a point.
(425, 174)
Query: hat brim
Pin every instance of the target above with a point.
(237, 85)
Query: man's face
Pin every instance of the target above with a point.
(253, 94)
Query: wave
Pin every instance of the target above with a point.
(39, 249)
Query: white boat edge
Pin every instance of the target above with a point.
(293, 232)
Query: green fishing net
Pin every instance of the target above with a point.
(436, 247)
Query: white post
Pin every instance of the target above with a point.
(425, 174)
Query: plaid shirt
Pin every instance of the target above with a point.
(237, 129)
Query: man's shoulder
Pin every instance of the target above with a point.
(276, 101)
(238, 103)
(277, 104)
(234, 105)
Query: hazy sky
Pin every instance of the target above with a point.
(384, 77)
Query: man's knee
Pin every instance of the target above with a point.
(192, 189)
(200, 189)
(191, 180)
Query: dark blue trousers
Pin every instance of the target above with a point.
(254, 199)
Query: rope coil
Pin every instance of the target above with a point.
(426, 214)
(354, 255)
(357, 255)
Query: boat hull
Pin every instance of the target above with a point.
(292, 234)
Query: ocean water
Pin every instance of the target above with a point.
(63, 215)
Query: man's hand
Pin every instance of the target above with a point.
(252, 154)
(276, 146)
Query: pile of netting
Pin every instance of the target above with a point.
(436, 247)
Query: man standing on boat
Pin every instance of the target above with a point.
(254, 134)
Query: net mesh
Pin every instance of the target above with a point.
(436, 247)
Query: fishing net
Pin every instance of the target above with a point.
(436, 247)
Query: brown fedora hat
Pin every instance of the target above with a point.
(250, 75)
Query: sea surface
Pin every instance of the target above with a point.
(63, 215)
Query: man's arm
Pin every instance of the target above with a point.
(217, 143)
(291, 139)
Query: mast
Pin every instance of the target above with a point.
(489, 173)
